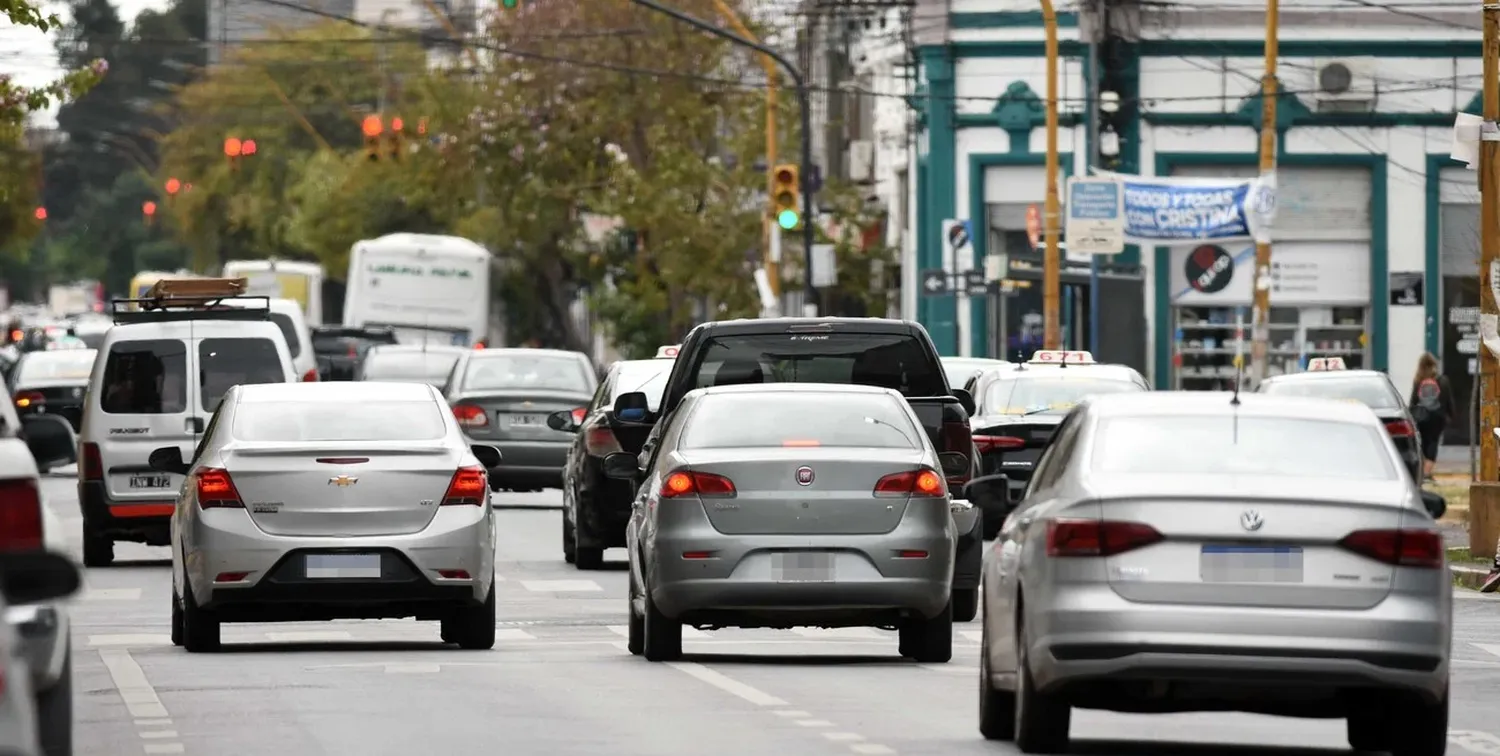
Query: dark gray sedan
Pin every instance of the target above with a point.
(410, 362)
(791, 505)
(502, 397)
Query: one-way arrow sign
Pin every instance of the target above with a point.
(934, 282)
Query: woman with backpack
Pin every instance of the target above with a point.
(1432, 408)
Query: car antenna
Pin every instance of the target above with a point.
(1239, 366)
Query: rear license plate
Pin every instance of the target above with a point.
(139, 482)
(802, 567)
(528, 421)
(1250, 564)
(342, 566)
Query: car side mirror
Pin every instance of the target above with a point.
(51, 440)
(487, 455)
(562, 420)
(989, 492)
(167, 459)
(31, 577)
(633, 407)
(966, 399)
(954, 463)
(621, 466)
(1435, 503)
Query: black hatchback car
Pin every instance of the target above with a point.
(1369, 387)
(52, 383)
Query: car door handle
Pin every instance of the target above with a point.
(193, 425)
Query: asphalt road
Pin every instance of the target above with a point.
(560, 682)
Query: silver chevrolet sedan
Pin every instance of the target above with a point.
(323, 501)
(788, 505)
(1210, 552)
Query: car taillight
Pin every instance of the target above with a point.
(216, 490)
(469, 488)
(93, 465)
(1405, 548)
(600, 441)
(995, 443)
(353, 353)
(1400, 428)
(924, 483)
(310, 376)
(20, 516)
(1084, 538)
(958, 437)
(27, 399)
(470, 416)
(691, 483)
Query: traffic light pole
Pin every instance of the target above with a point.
(810, 296)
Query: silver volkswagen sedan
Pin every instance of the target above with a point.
(788, 505)
(1211, 552)
(323, 501)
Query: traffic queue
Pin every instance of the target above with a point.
(1123, 549)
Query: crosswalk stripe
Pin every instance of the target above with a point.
(309, 637)
(839, 633)
(129, 639)
(560, 586)
(1491, 648)
(973, 635)
(110, 594)
(513, 634)
(687, 632)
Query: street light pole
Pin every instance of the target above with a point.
(810, 296)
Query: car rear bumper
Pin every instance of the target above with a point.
(1090, 634)
(412, 580)
(42, 630)
(140, 521)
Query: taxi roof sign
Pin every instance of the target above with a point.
(1325, 364)
(668, 352)
(1061, 357)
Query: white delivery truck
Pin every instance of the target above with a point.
(429, 289)
(301, 282)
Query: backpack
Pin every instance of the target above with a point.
(1429, 404)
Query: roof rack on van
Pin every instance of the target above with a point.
(192, 299)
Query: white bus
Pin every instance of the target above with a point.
(301, 282)
(430, 289)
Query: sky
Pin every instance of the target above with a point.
(26, 53)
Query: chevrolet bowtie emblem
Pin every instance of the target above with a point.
(342, 481)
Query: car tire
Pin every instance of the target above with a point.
(200, 627)
(1042, 720)
(663, 635)
(965, 604)
(54, 713)
(588, 558)
(570, 542)
(176, 618)
(930, 640)
(635, 637)
(1418, 728)
(98, 550)
(473, 628)
(997, 708)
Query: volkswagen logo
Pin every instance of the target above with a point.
(805, 476)
(1251, 520)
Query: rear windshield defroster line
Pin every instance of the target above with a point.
(889, 360)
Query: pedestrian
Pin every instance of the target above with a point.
(1432, 407)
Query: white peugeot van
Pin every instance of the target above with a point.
(159, 376)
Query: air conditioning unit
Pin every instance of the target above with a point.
(862, 161)
(1344, 84)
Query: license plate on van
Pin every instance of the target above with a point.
(150, 482)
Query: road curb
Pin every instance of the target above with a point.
(1467, 577)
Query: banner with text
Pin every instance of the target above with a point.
(1161, 210)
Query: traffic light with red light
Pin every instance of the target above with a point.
(233, 149)
(398, 138)
(372, 127)
(786, 196)
(173, 186)
(40, 214)
(148, 209)
(247, 148)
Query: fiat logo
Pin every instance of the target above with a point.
(804, 476)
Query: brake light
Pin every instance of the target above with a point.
(20, 516)
(30, 399)
(469, 488)
(353, 353)
(923, 482)
(1400, 428)
(216, 490)
(1084, 538)
(801, 443)
(310, 376)
(958, 437)
(479, 345)
(470, 416)
(579, 414)
(1404, 548)
(997, 443)
(93, 465)
(600, 440)
(702, 484)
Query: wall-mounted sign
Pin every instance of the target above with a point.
(1208, 269)
(1406, 288)
(1302, 274)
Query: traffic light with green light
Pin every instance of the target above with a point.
(510, 4)
(786, 196)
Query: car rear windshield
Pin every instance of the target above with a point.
(889, 360)
(1372, 391)
(649, 378)
(424, 367)
(814, 419)
(339, 421)
(69, 365)
(147, 377)
(228, 362)
(1050, 393)
(1225, 445)
(499, 372)
(289, 331)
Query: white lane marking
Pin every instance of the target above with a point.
(814, 722)
(560, 586)
(871, 748)
(130, 639)
(838, 633)
(726, 684)
(153, 723)
(135, 690)
(413, 669)
(792, 713)
(110, 594)
(973, 635)
(158, 734)
(309, 636)
(687, 632)
(1475, 741)
(164, 748)
(513, 634)
(1490, 648)
(951, 669)
(843, 737)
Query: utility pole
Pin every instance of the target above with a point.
(1052, 263)
(1260, 332)
(1101, 28)
(1489, 247)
